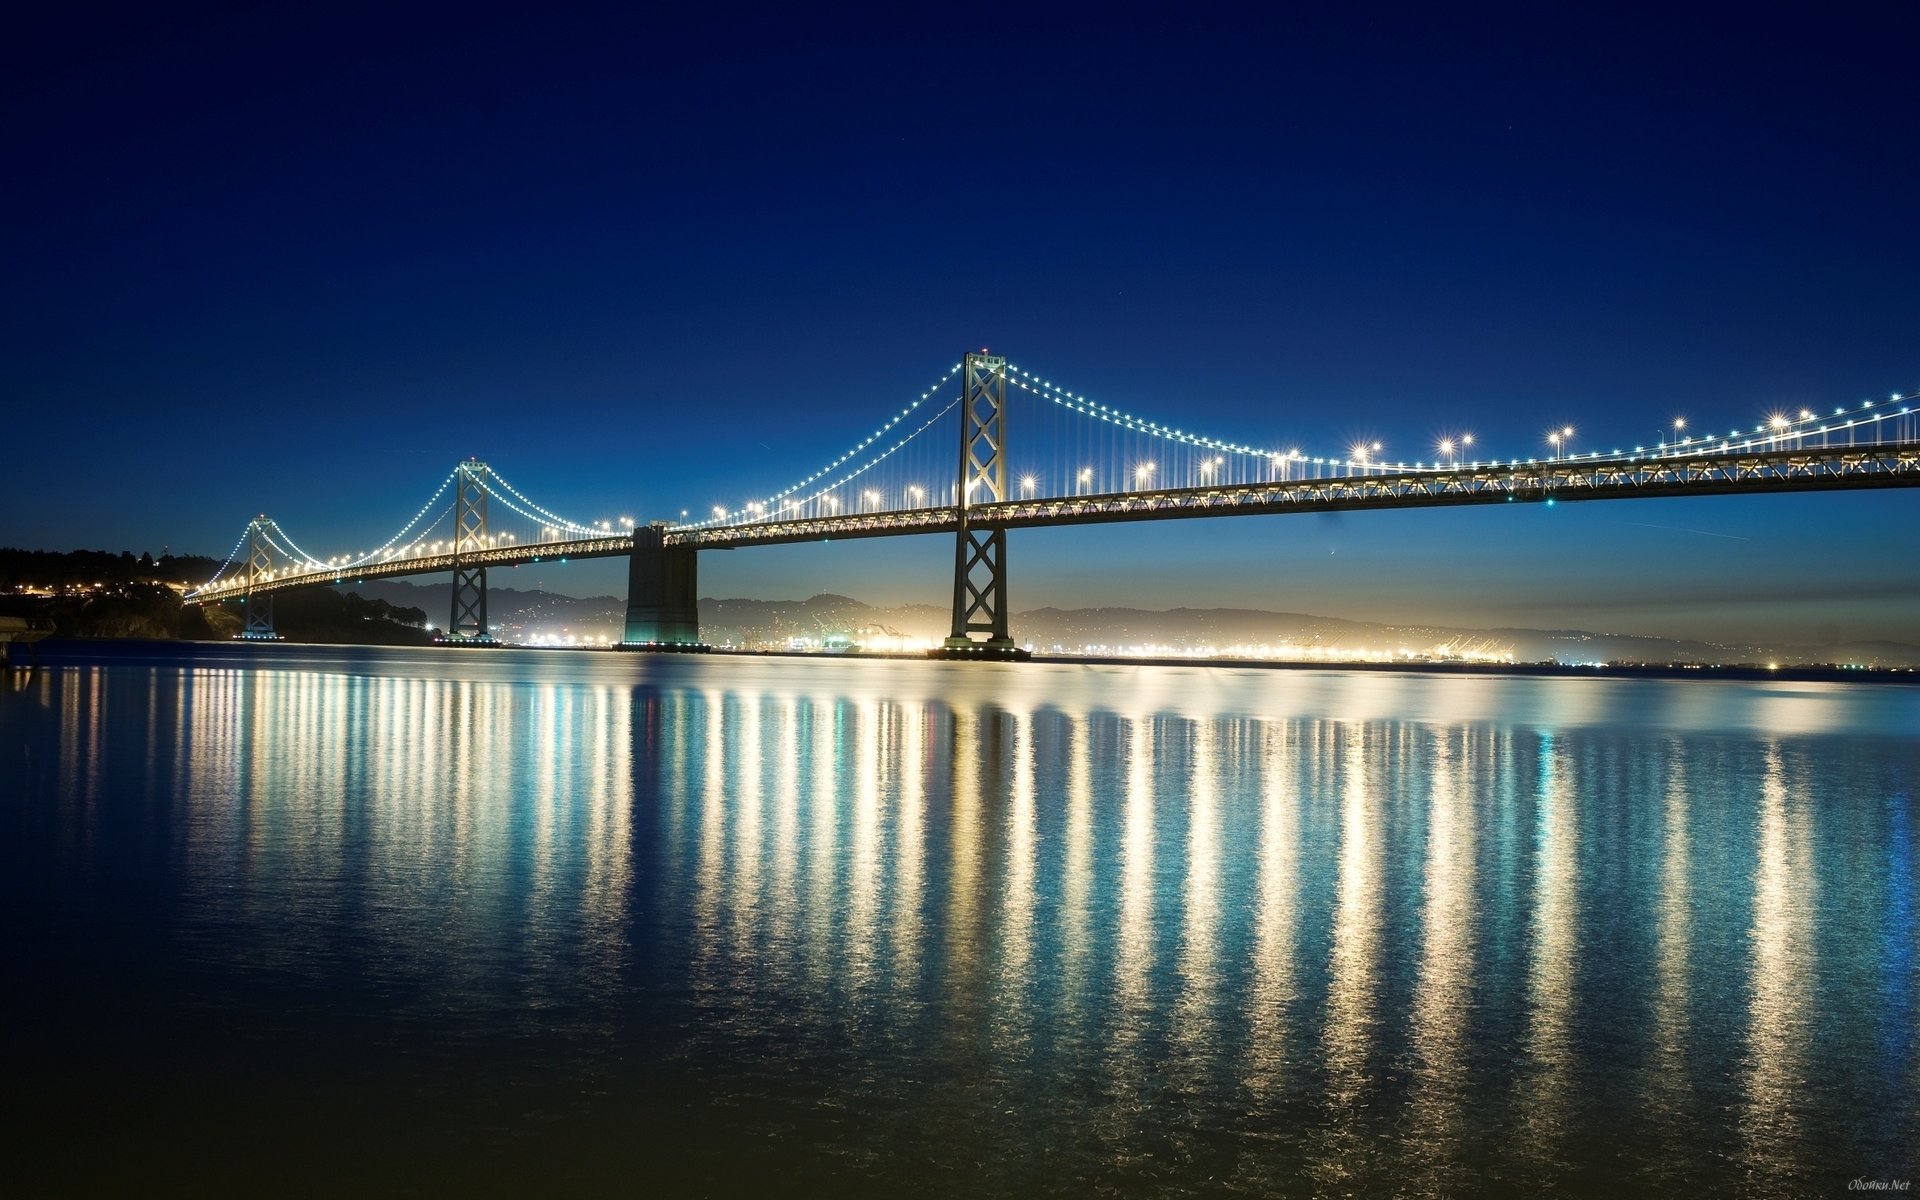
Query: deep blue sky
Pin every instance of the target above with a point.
(299, 259)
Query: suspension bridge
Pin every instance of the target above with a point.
(1077, 462)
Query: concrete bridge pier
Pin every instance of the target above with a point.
(663, 595)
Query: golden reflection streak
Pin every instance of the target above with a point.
(863, 884)
(391, 730)
(910, 854)
(1133, 935)
(963, 892)
(1668, 1074)
(398, 872)
(1353, 965)
(393, 841)
(467, 824)
(258, 758)
(212, 812)
(1077, 886)
(189, 680)
(1274, 987)
(822, 862)
(552, 751)
(1193, 1024)
(665, 721)
(609, 782)
(1551, 979)
(1013, 1014)
(1443, 990)
(708, 883)
(82, 753)
(749, 845)
(1779, 1015)
(782, 931)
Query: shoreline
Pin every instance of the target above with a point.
(78, 649)
(1742, 672)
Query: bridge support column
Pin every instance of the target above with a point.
(259, 626)
(469, 622)
(663, 594)
(259, 609)
(980, 553)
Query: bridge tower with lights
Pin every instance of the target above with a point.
(663, 611)
(258, 609)
(469, 621)
(980, 551)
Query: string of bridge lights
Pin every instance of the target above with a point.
(275, 535)
(231, 555)
(755, 509)
(267, 522)
(544, 517)
(404, 529)
(1779, 425)
(548, 522)
(1125, 420)
(1080, 403)
(773, 502)
(269, 527)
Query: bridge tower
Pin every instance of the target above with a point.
(469, 621)
(980, 552)
(259, 609)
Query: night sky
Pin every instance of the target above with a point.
(301, 259)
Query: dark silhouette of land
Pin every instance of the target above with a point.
(97, 594)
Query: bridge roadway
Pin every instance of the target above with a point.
(1838, 468)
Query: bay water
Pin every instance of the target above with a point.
(320, 920)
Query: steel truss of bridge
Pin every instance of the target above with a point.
(1703, 474)
(1698, 474)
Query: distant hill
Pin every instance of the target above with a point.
(520, 615)
(515, 615)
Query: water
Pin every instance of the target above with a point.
(303, 920)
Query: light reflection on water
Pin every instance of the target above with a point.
(969, 931)
(1545, 1074)
(1443, 992)
(1784, 899)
